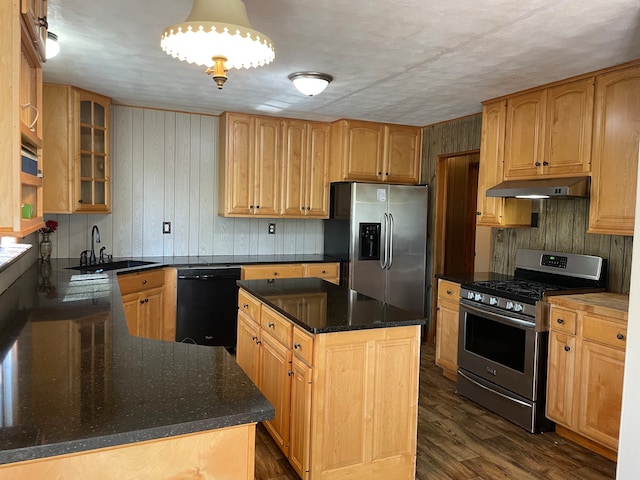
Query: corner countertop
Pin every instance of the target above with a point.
(345, 309)
(74, 379)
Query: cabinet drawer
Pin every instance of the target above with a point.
(137, 281)
(610, 333)
(258, 272)
(562, 320)
(322, 270)
(249, 305)
(276, 325)
(302, 345)
(449, 290)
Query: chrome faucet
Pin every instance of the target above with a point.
(95, 238)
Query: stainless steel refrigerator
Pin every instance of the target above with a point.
(379, 232)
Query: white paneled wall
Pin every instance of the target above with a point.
(164, 168)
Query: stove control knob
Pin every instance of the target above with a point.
(470, 295)
(517, 307)
(493, 301)
(509, 305)
(478, 297)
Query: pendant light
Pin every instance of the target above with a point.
(217, 34)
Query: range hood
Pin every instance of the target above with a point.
(542, 188)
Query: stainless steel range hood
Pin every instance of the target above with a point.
(542, 188)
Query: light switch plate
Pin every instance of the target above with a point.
(166, 227)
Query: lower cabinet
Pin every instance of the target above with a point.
(345, 402)
(587, 341)
(447, 321)
(149, 303)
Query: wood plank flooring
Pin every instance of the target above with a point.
(460, 440)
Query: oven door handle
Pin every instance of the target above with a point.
(506, 397)
(493, 315)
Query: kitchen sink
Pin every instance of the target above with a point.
(103, 267)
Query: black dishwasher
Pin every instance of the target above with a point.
(207, 307)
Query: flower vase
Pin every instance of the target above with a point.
(45, 247)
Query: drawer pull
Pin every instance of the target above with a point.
(144, 282)
(324, 271)
(449, 292)
(620, 336)
(567, 348)
(272, 325)
(560, 321)
(296, 346)
(275, 274)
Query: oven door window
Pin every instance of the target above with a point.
(496, 341)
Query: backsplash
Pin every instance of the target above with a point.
(164, 168)
(562, 227)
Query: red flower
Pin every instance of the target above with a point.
(50, 227)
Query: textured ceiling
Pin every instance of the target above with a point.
(413, 62)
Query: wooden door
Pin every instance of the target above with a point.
(267, 167)
(561, 372)
(239, 159)
(275, 377)
(569, 119)
(364, 150)
(317, 171)
(151, 322)
(524, 138)
(614, 166)
(300, 418)
(489, 209)
(601, 379)
(448, 320)
(294, 178)
(402, 154)
(248, 348)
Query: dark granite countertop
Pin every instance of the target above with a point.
(73, 379)
(345, 309)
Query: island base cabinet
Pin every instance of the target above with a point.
(364, 404)
(299, 439)
(227, 453)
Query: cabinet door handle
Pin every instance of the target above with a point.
(537, 164)
(560, 321)
(271, 325)
(545, 164)
(478, 213)
(296, 346)
(567, 348)
(449, 292)
(620, 336)
(245, 305)
(141, 302)
(290, 373)
(146, 300)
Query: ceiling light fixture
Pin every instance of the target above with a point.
(52, 47)
(310, 83)
(217, 34)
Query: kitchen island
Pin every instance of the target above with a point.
(82, 398)
(341, 370)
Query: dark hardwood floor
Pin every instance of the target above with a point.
(460, 440)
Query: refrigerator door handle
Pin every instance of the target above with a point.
(391, 228)
(383, 247)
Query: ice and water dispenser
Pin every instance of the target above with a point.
(369, 241)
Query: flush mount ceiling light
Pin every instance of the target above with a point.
(52, 47)
(310, 83)
(217, 34)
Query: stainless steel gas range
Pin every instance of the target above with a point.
(503, 336)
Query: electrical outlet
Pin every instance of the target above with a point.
(272, 229)
(166, 227)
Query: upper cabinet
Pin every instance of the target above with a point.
(77, 174)
(20, 123)
(249, 166)
(34, 13)
(374, 152)
(305, 168)
(496, 212)
(615, 152)
(548, 131)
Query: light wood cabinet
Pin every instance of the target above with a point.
(352, 398)
(34, 14)
(327, 271)
(615, 152)
(492, 211)
(587, 341)
(374, 152)
(548, 131)
(77, 174)
(20, 121)
(305, 169)
(448, 319)
(145, 304)
(249, 165)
